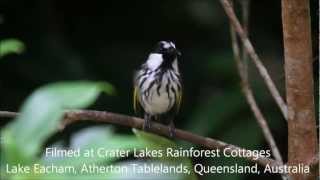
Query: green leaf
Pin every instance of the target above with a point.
(133, 172)
(78, 94)
(9, 46)
(95, 138)
(40, 115)
(153, 140)
(156, 142)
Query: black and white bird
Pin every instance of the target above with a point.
(157, 86)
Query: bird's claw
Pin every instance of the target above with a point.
(146, 125)
(172, 131)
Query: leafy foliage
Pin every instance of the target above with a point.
(9, 46)
(39, 119)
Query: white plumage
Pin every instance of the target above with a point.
(157, 86)
(157, 100)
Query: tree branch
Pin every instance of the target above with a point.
(157, 128)
(253, 55)
(246, 89)
(302, 132)
(245, 5)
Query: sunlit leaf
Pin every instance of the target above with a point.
(153, 140)
(40, 114)
(96, 139)
(133, 171)
(156, 142)
(8, 46)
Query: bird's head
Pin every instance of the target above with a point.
(167, 49)
(168, 52)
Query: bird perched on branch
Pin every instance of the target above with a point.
(157, 86)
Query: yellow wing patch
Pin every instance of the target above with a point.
(178, 101)
(135, 100)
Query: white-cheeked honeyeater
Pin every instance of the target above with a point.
(157, 86)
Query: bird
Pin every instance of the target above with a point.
(158, 86)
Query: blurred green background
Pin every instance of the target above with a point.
(108, 40)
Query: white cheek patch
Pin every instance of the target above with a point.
(154, 61)
(171, 43)
(166, 45)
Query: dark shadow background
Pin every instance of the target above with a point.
(107, 40)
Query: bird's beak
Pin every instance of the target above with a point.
(174, 51)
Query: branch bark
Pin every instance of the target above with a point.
(253, 55)
(156, 128)
(245, 13)
(247, 91)
(302, 136)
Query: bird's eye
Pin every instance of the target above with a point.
(164, 46)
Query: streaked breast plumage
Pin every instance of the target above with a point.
(157, 86)
(158, 89)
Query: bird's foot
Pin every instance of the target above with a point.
(172, 131)
(146, 125)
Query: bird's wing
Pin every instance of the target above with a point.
(135, 100)
(178, 101)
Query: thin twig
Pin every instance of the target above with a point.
(247, 91)
(246, 88)
(255, 109)
(253, 55)
(157, 128)
(245, 5)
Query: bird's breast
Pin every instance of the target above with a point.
(159, 92)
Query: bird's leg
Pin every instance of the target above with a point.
(146, 124)
(171, 129)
